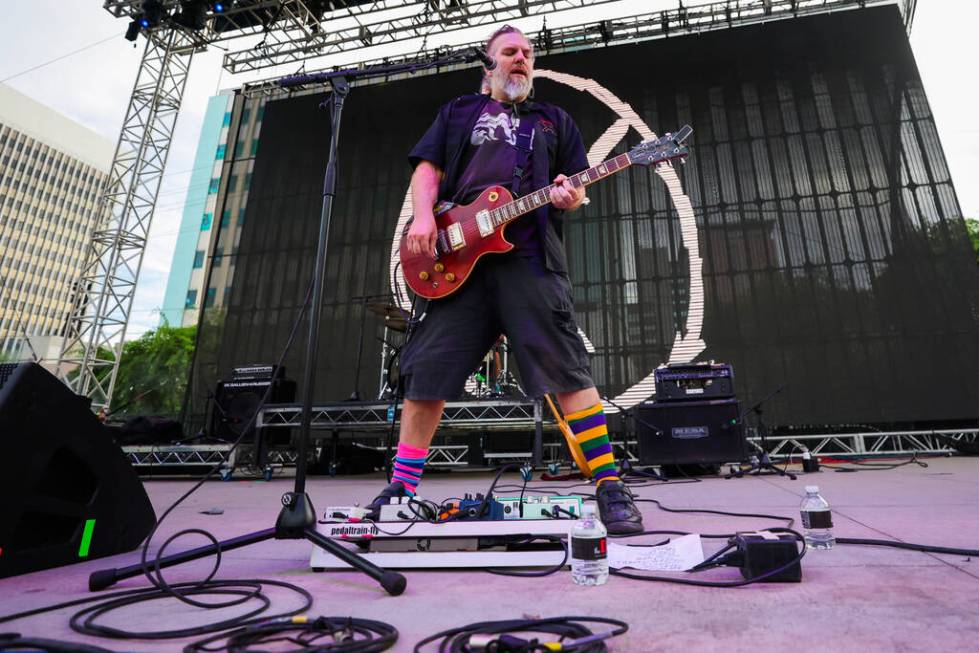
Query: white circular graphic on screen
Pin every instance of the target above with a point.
(685, 347)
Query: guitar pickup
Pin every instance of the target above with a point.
(456, 238)
(485, 223)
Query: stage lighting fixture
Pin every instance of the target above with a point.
(218, 7)
(192, 14)
(132, 31)
(152, 13)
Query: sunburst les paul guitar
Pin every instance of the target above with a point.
(468, 232)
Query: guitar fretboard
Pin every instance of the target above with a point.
(518, 207)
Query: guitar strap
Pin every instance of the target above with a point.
(524, 146)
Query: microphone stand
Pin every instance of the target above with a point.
(297, 517)
(760, 466)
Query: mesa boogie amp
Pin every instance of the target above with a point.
(694, 381)
(690, 432)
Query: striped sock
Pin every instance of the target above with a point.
(591, 432)
(408, 467)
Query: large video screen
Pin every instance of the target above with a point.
(825, 254)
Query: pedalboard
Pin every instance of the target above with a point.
(453, 544)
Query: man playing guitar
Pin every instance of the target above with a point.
(478, 141)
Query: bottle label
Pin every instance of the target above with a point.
(589, 548)
(817, 519)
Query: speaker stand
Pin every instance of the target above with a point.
(297, 519)
(761, 465)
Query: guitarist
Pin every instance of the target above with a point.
(477, 141)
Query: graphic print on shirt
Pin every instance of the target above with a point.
(491, 127)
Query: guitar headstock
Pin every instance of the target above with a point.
(665, 148)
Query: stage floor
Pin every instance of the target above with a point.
(851, 598)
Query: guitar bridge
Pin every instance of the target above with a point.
(456, 238)
(485, 223)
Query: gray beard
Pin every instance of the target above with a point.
(516, 89)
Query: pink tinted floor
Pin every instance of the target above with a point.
(851, 598)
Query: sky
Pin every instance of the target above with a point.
(71, 56)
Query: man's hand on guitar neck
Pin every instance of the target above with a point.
(564, 196)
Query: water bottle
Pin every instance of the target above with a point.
(589, 549)
(817, 520)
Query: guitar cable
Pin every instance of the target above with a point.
(400, 391)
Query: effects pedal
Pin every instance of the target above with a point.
(560, 507)
(344, 513)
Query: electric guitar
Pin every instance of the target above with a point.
(467, 232)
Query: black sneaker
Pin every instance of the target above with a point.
(394, 490)
(617, 510)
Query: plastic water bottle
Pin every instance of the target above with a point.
(589, 549)
(817, 520)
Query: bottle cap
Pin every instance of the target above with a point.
(812, 489)
(588, 510)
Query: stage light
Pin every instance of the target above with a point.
(192, 14)
(218, 7)
(152, 13)
(132, 31)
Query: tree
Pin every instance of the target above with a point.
(972, 226)
(153, 372)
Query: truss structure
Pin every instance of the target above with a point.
(93, 342)
(498, 414)
(260, 34)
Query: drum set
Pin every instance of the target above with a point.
(492, 379)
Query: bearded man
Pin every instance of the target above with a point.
(501, 137)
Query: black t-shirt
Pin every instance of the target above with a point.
(557, 148)
(488, 160)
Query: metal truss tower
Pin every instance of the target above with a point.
(95, 332)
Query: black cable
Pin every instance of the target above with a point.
(458, 640)
(861, 465)
(14, 642)
(158, 581)
(323, 634)
(706, 583)
(399, 392)
(925, 548)
(539, 573)
(85, 620)
(789, 520)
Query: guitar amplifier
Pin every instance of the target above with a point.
(694, 381)
(687, 432)
(236, 401)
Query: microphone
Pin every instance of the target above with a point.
(489, 63)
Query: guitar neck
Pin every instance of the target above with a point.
(523, 205)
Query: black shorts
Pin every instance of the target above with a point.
(506, 294)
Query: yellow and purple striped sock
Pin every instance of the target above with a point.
(591, 433)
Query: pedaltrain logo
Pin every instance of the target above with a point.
(686, 347)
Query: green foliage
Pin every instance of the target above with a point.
(972, 226)
(153, 372)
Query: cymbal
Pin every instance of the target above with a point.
(387, 310)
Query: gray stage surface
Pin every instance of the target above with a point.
(852, 598)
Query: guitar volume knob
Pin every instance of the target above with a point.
(450, 277)
(423, 275)
(439, 267)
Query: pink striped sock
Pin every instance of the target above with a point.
(408, 467)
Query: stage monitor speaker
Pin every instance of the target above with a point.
(679, 433)
(67, 492)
